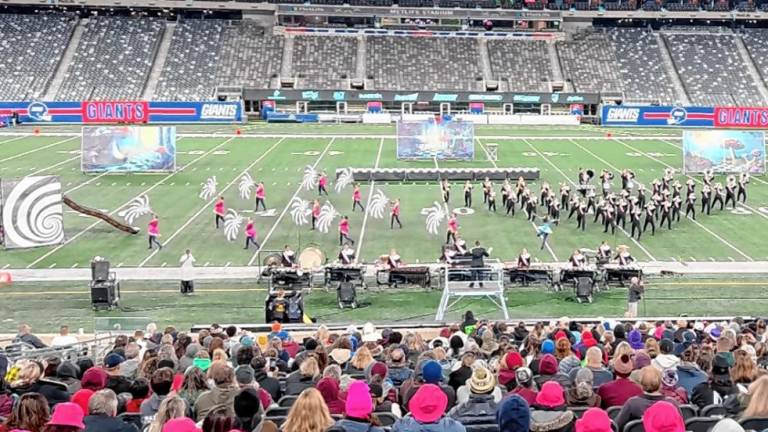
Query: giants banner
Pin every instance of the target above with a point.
(678, 116)
(128, 112)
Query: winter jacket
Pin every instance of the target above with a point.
(559, 378)
(677, 393)
(150, 407)
(636, 406)
(617, 392)
(665, 361)
(399, 374)
(525, 393)
(708, 393)
(551, 421)
(269, 384)
(600, 375)
(53, 394)
(104, 423)
(6, 405)
(445, 424)
(217, 397)
(459, 377)
(349, 425)
(296, 383)
(479, 409)
(689, 376)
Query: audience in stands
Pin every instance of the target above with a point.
(493, 378)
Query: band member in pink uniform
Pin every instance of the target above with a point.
(153, 229)
(322, 183)
(453, 228)
(219, 210)
(395, 215)
(344, 231)
(251, 235)
(356, 197)
(315, 212)
(260, 195)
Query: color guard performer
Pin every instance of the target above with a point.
(344, 231)
(453, 228)
(357, 197)
(322, 183)
(543, 231)
(315, 213)
(153, 230)
(219, 211)
(261, 194)
(395, 215)
(251, 235)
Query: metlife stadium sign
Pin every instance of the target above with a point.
(678, 116)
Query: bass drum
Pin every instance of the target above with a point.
(273, 260)
(311, 258)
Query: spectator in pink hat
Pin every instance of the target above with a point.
(67, 417)
(663, 417)
(182, 424)
(427, 408)
(594, 420)
(358, 409)
(550, 412)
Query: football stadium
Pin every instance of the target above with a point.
(383, 215)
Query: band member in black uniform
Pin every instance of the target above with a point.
(530, 209)
(599, 211)
(584, 178)
(650, 217)
(523, 198)
(677, 204)
(520, 187)
(706, 196)
(605, 181)
(655, 187)
(641, 196)
(666, 214)
(487, 186)
(445, 187)
(666, 180)
(288, 257)
(609, 218)
(460, 245)
(393, 260)
(577, 259)
(623, 257)
(506, 191)
(690, 205)
(565, 194)
(549, 201)
(468, 194)
(603, 253)
(524, 259)
(574, 205)
(719, 195)
(554, 212)
(492, 200)
(709, 175)
(347, 255)
(676, 188)
(730, 191)
(690, 187)
(634, 217)
(581, 216)
(511, 201)
(741, 195)
(627, 180)
(656, 200)
(591, 200)
(621, 212)
(544, 193)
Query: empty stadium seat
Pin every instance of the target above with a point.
(589, 62)
(754, 423)
(700, 424)
(523, 64)
(250, 56)
(324, 62)
(714, 410)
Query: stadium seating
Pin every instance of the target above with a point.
(589, 63)
(756, 41)
(113, 59)
(712, 70)
(31, 46)
(423, 63)
(250, 56)
(189, 72)
(524, 65)
(324, 62)
(641, 66)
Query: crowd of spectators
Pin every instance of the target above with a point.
(558, 376)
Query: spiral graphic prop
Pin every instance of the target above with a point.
(32, 212)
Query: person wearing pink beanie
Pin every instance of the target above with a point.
(427, 407)
(550, 410)
(663, 417)
(181, 424)
(594, 420)
(358, 408)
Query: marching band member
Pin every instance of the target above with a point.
(604, 252)
(650, 217)
(577, 259)
(554, 212)
(395, 215)
(627, 180)
(510, 204)
(730, 191)
(623, 257)
(530, 209)
(468, 194)
(573, 203)
(666, 213)
(741, 195)
(669, 175)
(347, 254)
(565, 194)
(581, 216)
(709, 175)
(520, 187)
(506, 190)
(460, 245)
(677, 203)
(690, 205)
(393, 260)
(251, 235)
(641, 195)
(445, 188)
(344, 231)
(591, 200)
(315, 213)
(322, 182)
(634, 217)
(448, 254)
(543, 192)
(261, 194)
(492, 200)
(218, 210)
(583, 179)
(719, 195)
(487, 186)
(676, 187)
(606, 177)
(621, 212)
(453, 228)
(524, 259)
(609, 217)
(706, 194)
(690, 187)
(357, 197)
(288, 257)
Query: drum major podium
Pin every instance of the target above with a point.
(463, 282)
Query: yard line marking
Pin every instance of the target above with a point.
(6, 266)
(15, 139)
(759, 213)
(287, 206)
(120, 264)
(730, 258)
(52, 265)
(163, 264)
(228, 264)
(692, 259)
(146, 191)
(681, 147)
(645, 251)
(495, 165)
(207, 263)
(74, 265)
(368, 203)
(16, 156)
(208, 205)
(41, 170)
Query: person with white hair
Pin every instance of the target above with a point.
(636, 290)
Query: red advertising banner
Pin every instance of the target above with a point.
(115, 112)
(739, 117)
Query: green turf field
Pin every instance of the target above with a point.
(277, 155)
(46, 306)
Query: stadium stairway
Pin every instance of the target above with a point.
(286, 70)
(362, 52)
(751, 67)
(556, 68)
(159, 62)
(66, 60)
(682, 95)
(485, 61)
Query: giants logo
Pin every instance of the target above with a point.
(623, 115)
(218, 112)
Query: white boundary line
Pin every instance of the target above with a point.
(681, 147)
(645, 251)
(149, 189)
(37, 149)
(287, 205)
(368, 204)
(42, 170)
(725, 242)
(14, 139)
(493, 162)
(210, 202)
(759, 213)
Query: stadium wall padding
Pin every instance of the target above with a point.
(680, 116)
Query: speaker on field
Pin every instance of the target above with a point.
(99, 270)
